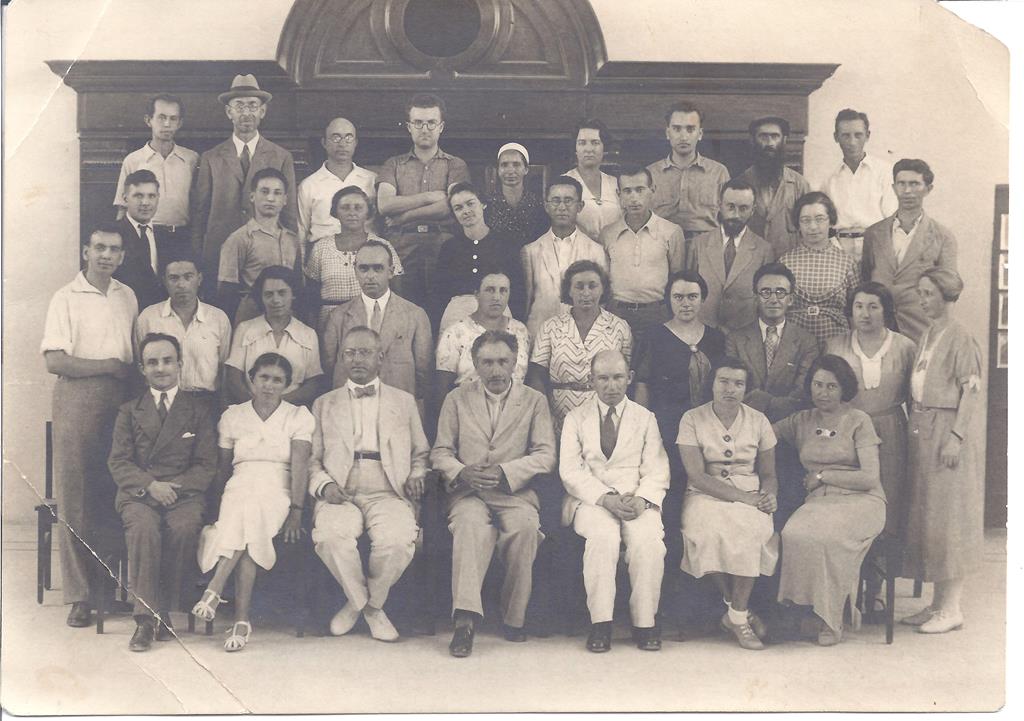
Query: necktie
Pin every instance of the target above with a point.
(364, 391)
(148, 244)
(771, 344)
(608, 433)
(375, 319)
(244, 159)
(730, 254)
(161, 408)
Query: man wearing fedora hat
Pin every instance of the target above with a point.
(221, 197)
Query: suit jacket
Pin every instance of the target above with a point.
(543, 281)
(523, 443)
(135, 270)
(731, 303)
(932, 246)
(774, 222)
(221, 198)
(183, 450)
(638, 465)
(403, 446)
(405, 339)
(777, 391)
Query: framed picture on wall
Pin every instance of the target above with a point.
(1004, 232)
(1004, 311)
(1003, 350)
(1004, 271)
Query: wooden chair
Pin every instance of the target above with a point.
(881, 561)
(46, 517)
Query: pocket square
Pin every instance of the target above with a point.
(188, 434)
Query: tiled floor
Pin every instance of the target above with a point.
(48, 668)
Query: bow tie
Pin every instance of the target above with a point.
(363, 391)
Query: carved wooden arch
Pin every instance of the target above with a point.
(519, 44)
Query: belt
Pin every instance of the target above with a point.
(627, 305)
(812, 310)
(691, 234)
(572, 386)
(334, 302)
(170, 228)
(424, 228)
(917, 407)
(366, 456)
(850, 234)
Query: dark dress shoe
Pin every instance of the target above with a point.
(647, 639)
(600, 639)
(80, 615)
(515, 634)
(165, 629)
(142, 639)
(462, 642)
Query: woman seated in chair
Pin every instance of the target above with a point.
(728, 451)
(825, 540)
(264, 455)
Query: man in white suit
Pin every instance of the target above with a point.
(367, 469)
(614, 466)
(494, 437)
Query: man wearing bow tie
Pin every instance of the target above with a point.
(163, 458)
(367, 472)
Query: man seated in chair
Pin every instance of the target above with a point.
(494, 436)
(163, 458)
(367, 470)
(613, 465)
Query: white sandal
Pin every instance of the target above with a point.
(236, 641)
(206, 608)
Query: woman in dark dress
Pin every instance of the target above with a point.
(513, 210)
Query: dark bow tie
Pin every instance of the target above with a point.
(363, 391)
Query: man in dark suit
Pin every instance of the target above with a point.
(163, 458)
(144, 243)
(221, 198)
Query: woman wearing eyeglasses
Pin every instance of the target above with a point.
(825, 540)
(515, 211)
(600, 190)
(825, 275)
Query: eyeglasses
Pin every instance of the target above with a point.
(252, 107)
(816, 220)
(767, 293)
(563, 202)
(339, 139)
(428, 124)
(358, 352)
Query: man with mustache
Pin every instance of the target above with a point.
(776, 187)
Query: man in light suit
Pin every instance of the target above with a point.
(901, 247)
(221, 198)
(144, 243)
(493, 438)
(366, 472)
(163, 458)
(615, 469)
(727, 258)
(546, 259)
(404, 328)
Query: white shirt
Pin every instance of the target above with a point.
(365, 412)
(205, 344)
(563, 249)
(171, 393)
(251, 144)
(764, 329)
(603, 409)
(315, 195)
(368, 303)
(862, 198)
(174, 173)
(85, 323)
(736, 240)
(151, 236)
(901, 238)
(496, 404)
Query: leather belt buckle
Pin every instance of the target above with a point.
(813, 310)
(422, 228)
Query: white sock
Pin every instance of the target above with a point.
(737, 617)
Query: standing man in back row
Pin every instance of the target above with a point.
(412, 196)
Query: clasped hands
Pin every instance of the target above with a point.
(762, 501)
(481, 476)
(164, 492)
(625, 506)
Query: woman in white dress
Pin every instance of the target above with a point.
(265, 446)
(728, 451)
(600, 190)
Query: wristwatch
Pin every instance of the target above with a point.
(817, 476)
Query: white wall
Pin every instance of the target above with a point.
(934, 88)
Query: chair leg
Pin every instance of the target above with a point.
(41, 558)
(918, 588)
(209, 628)
(101, 606)
(191, 623)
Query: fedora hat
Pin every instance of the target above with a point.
(244, 86)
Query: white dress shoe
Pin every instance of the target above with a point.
(345, 619)
(942, 622)
(380, 625)
(920, 617)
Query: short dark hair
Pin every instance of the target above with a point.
(565, 180)
(719, 363)
(166, 98)
(426, 100)
(949, 282)
(683, 106)
(493, 270)
(274, 360)
(156, 338)
(629, 169)
(494, 336)
(847, 114)
(140, 177)
(373, 243)
(769, 120)
(775, 268)
(838, 367)
(914, 165)
(884, 296)
(687, 276)
(361, 329)
(273, 272)
(350, 190)
(586, 266)
(463, 186)
(109, 227)
(177, 255)
(264, 173)
(815, 197)
(593, 124)
(736, 183)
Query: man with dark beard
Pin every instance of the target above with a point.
(776, 187)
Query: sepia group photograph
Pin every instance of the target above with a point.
(507, 356)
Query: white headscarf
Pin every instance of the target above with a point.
(518, 148)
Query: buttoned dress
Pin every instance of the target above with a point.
(597, 212)
(298, 344)
(461, 264)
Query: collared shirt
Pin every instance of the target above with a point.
(864, 197)
(315, 195)
(251, 144)
(688, 196)
(299, 345)
(735, 241)
(640, 262)
(901, 237)
(496, 404)
(171, 394)
(151, 236)
(563, 248)
(85, 323)
(365, 413)
(205, 344)
(598, 213)
(409, 175)
(175, 174)
(603, 407)
(369, 302)
(250, 249)
(764, 329)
